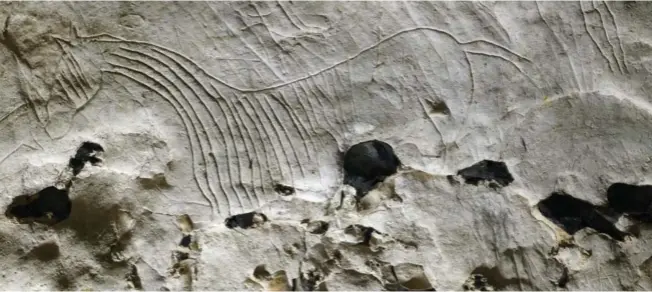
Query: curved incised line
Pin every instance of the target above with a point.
(189, 130)
(191, 105)
(112, 38)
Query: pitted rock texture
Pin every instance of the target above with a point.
(325, 145)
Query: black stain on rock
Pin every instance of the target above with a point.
(245, 220)
(368, 163)
(284, 190)
(49, 206)
(633, 200)
(487, 170)
(572, 215)
(85, 153)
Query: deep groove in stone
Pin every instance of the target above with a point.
(487, 170)
(368, 163)
(572, 215)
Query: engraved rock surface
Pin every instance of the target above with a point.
(202, 145)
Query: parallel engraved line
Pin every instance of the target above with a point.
(189, 132)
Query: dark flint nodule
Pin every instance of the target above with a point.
(487, 170)
(85, 153)
(185, 241)
(633, 200)
(572, 215)
(283, 189)
(50, 206)
(367, 163)
(244, 221)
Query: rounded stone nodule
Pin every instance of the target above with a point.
(368, 163)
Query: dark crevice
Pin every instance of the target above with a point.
(85, 153)
(633, 200)
(134, 279)
(572, 215)
(245, 220)
(438, 107)
(49, 206)
(488, 279)
(312, 281)
(563, 280)
(283, 189)
(368, 163)
(495, 172)
(477, 282)
(412, 279)
(362, 232)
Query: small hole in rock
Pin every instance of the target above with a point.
(361, 231)
(185, 241)
(85, 153)
(261, 273)
(245, 220)
(572, 215)
(633, 200)
(318, 227)
(367, 163)
(487, 170)
(438, 107)
(49, 206)
(45, 252)
(283, 189)
(180, 256)
(563, 280)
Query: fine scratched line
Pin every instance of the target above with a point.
(76, 76)
(188, 133)
(240, 115)
(228, 126)
(562, 44)
(586, 27)
(273, 133)
(264, 130)
(255, 119)
(241, 124)
(510, 62)
(294, 117)
(116, 39)
(287, 135)
(606, 36)
(620, 42)
(241, 134)
(277, 134)
(203, 153)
